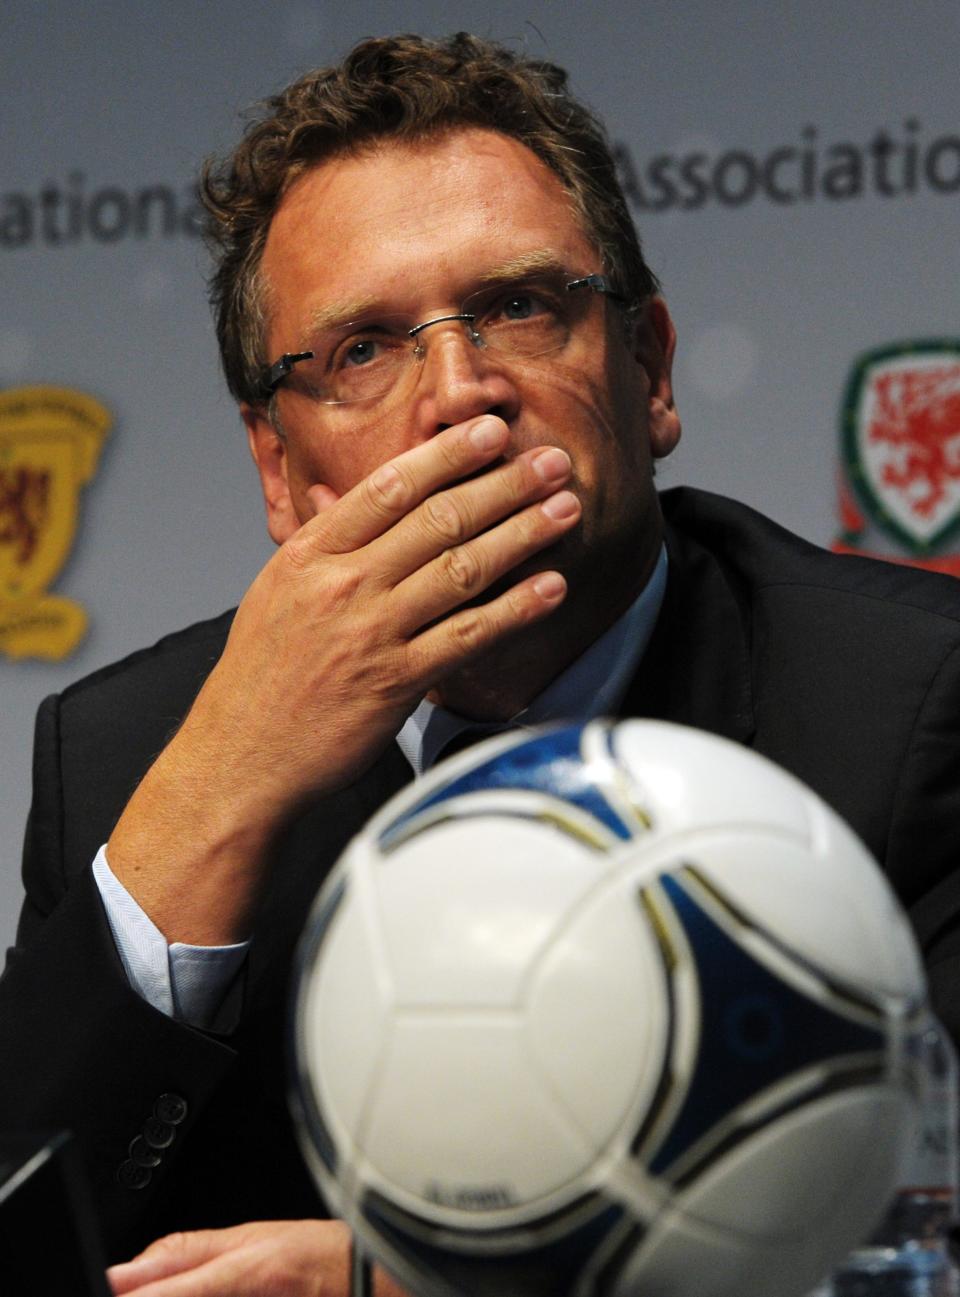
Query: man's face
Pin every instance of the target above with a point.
(413, 230)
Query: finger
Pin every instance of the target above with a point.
(172, 1255)
(461, 573)
(374, 505)
(218, 1276)
(453, 516)
(470, 632)
(214, 1278)
(268, 1258)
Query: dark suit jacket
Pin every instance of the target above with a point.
(845, 671)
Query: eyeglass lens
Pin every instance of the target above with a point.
(364, 360)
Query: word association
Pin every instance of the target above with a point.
(889, 165)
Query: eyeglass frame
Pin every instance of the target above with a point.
(273, 375)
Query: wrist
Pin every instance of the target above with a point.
(192, 852)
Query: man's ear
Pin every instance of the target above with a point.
(269, 451)
(656, 342)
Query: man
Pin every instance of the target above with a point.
(455, 374)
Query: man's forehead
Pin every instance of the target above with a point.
(400, 163)
(478, 202)
(539, 261)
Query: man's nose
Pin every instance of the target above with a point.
(459, 379)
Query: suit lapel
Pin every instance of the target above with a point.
(696, 670)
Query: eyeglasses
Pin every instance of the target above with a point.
(364, 360)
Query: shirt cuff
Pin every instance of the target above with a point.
(189, 983)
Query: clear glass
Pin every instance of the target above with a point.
(907, 1255)
(364, 359)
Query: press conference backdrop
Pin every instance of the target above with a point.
(794, 169)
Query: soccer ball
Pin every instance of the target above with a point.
(611, 1009)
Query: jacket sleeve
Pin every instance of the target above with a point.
(923, 854)
(80, 1049)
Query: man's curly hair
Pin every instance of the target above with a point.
(403, 88)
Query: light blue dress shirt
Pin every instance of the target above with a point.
(192, 983)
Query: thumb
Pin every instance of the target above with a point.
(321, 497)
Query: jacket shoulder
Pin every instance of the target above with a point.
(185, 654)
(758, 555)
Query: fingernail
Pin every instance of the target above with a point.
(487, 434)
(562, 505)
(550, 586)
(552, 465)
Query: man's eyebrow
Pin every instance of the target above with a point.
(338, 313)
(527, 263)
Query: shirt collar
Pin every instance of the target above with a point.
(593, 685)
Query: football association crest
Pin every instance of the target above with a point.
(900, 439)
(50, 443)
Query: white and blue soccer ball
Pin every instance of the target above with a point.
(608, 1009)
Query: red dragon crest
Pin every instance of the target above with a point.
(901, 448)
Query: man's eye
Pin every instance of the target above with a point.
(361, 352)
(525, 305)
(521, 306)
